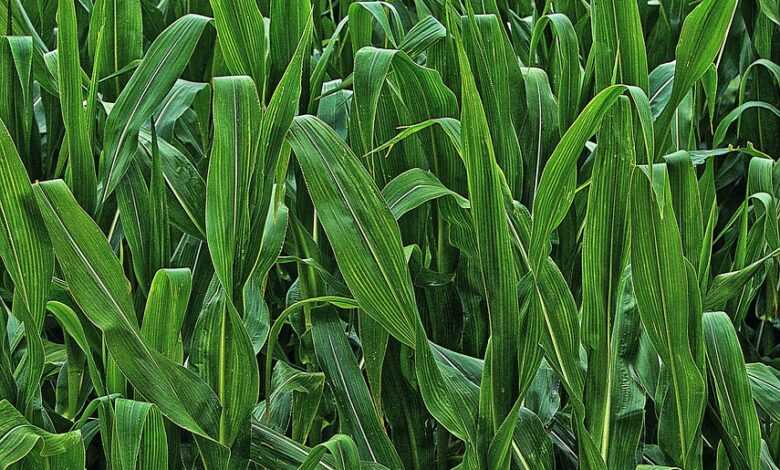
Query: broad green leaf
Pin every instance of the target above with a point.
(231, 169)
(686, 202)
(618, 45)
(391, 90)
(241, 32)
(27, 256)
(221, 353)
(729, 285)
(485, 52)
(132, 197)
(701, 39)
(295, 398)
(365, 16)
(605, 253)
(568, 77)
(735, 114)
(20, 438)
(112, 44)
(771, 9)
(288, 23)
(16, 102)
(187, 185)
(765, 385)
(357, 415)
(730, 380)
(273, 449)
(494, 251)
(758, 66)
(367, 245)
(342, 448)
(97, 283)
(161, 66)
(662, 292)
(71, 324)
(422, 35)
(415, 187)
(165, 310)
(182, 98)
(558, 181)
(531, 444)
(372, 66)
(544, 132)
(82, 163)
(337, 183)
(160, 252)
(273, 128)
(139, 438)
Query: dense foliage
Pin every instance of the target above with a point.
(429, 234)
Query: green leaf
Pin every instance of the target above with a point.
(82, 163)
(296, 396)
(288, 23)
(71, 324)
(97, 283)
(558, 182)
(367, 245)
(486, 185)
(132, 197)
(273, 449)
(735, 114)
(701, 39)
(422, 36)
(771, 9)
(531, 444)
(160, 252)
(16, 103)
(342, 448)
(165, 310)
(618, 45)
(112, 44)
(273, 128)
(161, 66)
(765, 385)
(20, 438)
(729, 285)
(544, 133)
(735, 401)
(231, 168)
(662, 292)
(357, 414)
(221, 353)
(485, 50)
(27, 256)
(337, 183)
(187, 185)
(567, 50)
(605, 253)
(241, 32)
(415, 187)
(139, 438)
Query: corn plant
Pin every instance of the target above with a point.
(429, 234)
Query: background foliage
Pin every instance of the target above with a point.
(421, 234)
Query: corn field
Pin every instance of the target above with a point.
(401, 234)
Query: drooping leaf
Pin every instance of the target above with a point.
(95, 278)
